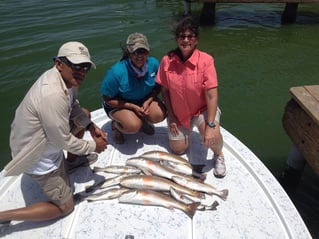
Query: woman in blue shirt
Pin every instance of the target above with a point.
(130, 94)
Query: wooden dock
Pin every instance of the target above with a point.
(301, 122)
(207, 16)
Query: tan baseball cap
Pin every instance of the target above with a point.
(136, 41)
(75, 52)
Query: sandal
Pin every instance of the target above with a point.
(147, 128)
(116, 134)
(4, 225)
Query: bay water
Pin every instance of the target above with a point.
(257, 60)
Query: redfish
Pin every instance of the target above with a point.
(200, 186)
(162, 155)
(156, 183)
(152, 198)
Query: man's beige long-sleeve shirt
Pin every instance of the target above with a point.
(43, 116)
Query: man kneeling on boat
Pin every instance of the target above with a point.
(49, 121)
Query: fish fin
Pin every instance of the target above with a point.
(90, 189)
(191, 209)
(78, 197)
(97, 169)
(214, 205)
(224, 194)
(94, 187)
(201, 207)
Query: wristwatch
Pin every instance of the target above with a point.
(211, 124)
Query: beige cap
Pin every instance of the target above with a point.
(136, 41)
(76, 53)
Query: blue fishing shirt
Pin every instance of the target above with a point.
(120, 81)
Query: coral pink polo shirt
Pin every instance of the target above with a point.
(187, 83)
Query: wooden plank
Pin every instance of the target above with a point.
(257, 1)
(304, 133)
(308, 99)
(313, 90)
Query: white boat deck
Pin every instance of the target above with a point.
(256, 207)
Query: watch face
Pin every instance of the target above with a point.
(211, 124)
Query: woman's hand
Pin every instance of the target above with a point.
(210, 136)
(173, 125)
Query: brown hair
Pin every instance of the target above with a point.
(186, 24)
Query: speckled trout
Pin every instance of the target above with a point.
(152, 198)
(200, 186)
(156, 183)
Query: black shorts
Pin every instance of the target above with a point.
(108, 109)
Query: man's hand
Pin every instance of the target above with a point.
(100, 138)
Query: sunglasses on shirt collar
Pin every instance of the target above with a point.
(76, 67)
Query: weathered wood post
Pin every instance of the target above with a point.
(301, 122)
(187, 7)
(290, 13)
(207, 16)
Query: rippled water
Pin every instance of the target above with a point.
(257, 60)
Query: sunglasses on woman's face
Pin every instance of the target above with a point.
(184, 36)
(140, 51)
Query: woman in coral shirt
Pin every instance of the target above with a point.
(189, 89)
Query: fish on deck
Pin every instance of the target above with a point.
(153, 198)
(162, 155)
(150, 167)
(117, 169)
(187, 200)
(200, 186)
(157, 184)
(109, 194)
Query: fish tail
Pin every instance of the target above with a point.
(94, 187)
(224, 194)
(214, 205)
(78, 197)
(98, 169)
(203, 207)
(191, 209)
(90, 189)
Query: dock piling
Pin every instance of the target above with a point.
(207, 15)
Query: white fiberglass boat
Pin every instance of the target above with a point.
(256, 207)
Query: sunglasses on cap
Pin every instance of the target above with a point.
(76, 67)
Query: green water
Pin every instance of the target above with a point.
(257, 61)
